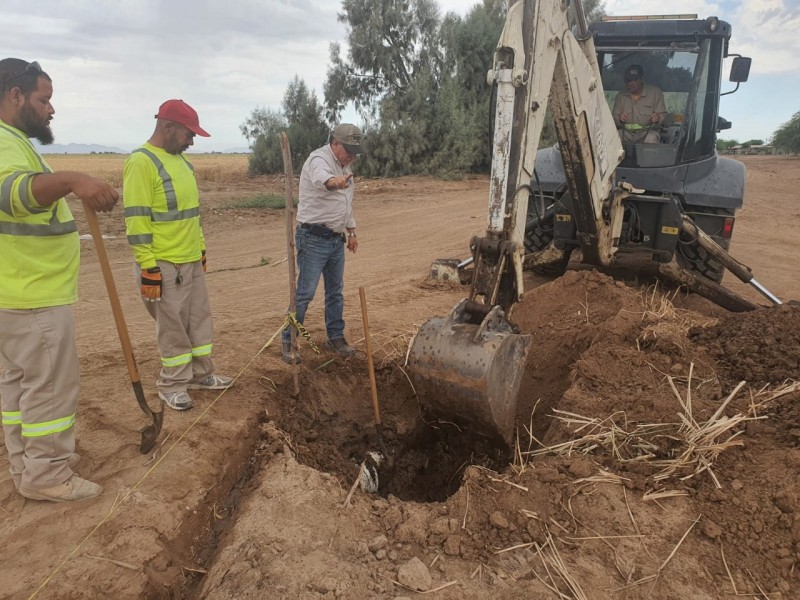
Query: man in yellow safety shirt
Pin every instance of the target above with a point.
(162, 221)
(40, 253)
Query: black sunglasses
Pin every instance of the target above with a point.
(33, 67)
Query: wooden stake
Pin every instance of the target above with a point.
(290, 253)
(373, 386)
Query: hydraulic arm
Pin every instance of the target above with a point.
(469, 365)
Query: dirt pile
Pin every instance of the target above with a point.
(636, 476)
(761, 347)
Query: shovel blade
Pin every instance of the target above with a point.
(151, 432)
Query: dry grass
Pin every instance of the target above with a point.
(209, 168)
(696, 445)
(660, 318)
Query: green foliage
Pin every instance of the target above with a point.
(262, 129)
(724, 146)
(787, 136)
(417, 80)
(749, 143)
(390, 43)
(420, 83)
(262, 201)
(301, 119)
(307, 128)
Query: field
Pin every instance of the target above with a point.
(643, 468)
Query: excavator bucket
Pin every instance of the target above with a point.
(470, 373)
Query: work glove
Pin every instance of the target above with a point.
(203, 261)
(151, 284)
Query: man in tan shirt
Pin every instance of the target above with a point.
(640, 110)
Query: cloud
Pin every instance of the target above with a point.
(766, 30)
(112, 64)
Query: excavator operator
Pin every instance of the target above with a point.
(639, 110)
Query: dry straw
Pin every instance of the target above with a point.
(698, 444)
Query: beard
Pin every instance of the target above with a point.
(33, 126)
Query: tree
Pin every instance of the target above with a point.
(787, 136)
(261, 129)
(307, 129)
(390, 43)
(465, 116)
(724, 146)
(301, 118)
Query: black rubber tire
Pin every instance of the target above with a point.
(539, 231)
(538, 235)
(693, 257)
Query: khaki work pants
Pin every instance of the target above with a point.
(39, 393)
(183, 325)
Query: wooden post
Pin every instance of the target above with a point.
(290, 250)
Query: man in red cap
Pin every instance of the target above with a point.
(162, 221)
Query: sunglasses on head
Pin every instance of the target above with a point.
(33, 67)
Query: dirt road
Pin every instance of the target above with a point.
(243, 500)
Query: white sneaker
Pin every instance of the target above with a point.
(212, 382)
(176, 400)
(72, 490)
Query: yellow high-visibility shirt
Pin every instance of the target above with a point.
(39, 246)
(162, 207)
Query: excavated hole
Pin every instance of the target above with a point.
(332, 430)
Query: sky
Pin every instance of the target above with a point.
(113, 63)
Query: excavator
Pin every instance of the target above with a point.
(615, 203)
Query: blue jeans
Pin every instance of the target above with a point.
(320, 256)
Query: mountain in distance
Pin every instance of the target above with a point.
(100, 149)
(77, 149)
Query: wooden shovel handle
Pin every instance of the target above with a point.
(111, 288)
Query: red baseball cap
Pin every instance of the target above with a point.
(180, 112)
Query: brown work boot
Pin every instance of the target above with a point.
(72, 490)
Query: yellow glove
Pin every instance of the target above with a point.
(203, 261)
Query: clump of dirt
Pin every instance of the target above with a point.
(760, 347)
(638, 472)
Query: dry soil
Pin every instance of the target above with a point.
(643, 468)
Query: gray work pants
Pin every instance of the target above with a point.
(39, 393)
(183, 326)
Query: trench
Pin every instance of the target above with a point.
(330, 427)
(335, 432)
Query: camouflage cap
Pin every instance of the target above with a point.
(349, 136)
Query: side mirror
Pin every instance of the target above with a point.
(740, 69)
(723, 123)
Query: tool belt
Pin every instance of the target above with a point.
(320, 230)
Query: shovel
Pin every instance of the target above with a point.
(150, 432)
(369, 480)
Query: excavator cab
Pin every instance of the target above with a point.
(676, 169)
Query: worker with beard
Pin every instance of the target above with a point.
(162, 222)
(40, 253)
